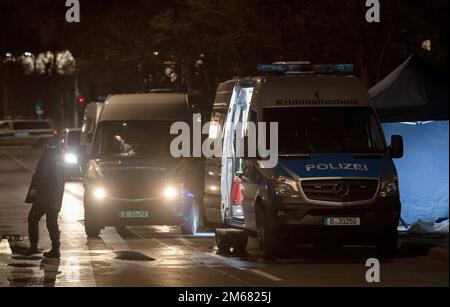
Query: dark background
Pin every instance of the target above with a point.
(204, 42)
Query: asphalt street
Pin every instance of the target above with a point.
(162, 256)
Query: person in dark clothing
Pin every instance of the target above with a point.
(46, 194)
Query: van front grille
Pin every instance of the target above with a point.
(340, 190)
(132, 190)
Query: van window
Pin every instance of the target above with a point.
(135, 139)
(31, 125)
(326, 130)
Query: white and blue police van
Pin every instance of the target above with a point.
(334, 182)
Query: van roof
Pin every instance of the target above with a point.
(153, 106)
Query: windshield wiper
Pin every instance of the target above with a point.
(301, 156)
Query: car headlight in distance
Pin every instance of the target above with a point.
(99, 193)
(390, 187)
(71, 158)
(170, 192)
(285, 187)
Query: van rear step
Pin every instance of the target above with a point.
(238, 224)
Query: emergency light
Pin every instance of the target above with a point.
(305, 68)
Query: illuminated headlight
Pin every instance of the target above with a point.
(285, 187)
(390, 187)
(70, 158)
(99, 193)
(170, 192)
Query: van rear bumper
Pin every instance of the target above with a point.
(290, 219)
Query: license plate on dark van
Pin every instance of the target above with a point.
(342, 221)
(133, 214)
(22, 134)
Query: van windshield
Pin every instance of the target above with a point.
(327, 130)
(135, 139)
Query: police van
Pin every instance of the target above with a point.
(131, 176)
(335, 181)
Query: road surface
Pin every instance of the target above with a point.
(162, 256)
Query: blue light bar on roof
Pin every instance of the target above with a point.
(305, 68)
(333, 68)
(281, 68)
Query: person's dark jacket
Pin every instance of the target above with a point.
(48, 181)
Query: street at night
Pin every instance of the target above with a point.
(167, 258)
(224, 151)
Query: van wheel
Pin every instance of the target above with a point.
(268, 243)
(387, 244)
(92, 229)
(190, 227)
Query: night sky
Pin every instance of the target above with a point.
(115, 43)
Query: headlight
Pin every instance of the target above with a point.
(170, 192)
(390, 187)
(285, 187)
(99, 193)
(70, 158)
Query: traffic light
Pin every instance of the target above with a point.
(38, 106)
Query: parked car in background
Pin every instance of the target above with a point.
(35, 133)
(71, 152)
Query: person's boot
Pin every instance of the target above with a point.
(54, 253)
(33, 250)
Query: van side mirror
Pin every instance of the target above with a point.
(397, 147)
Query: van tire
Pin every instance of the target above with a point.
(191, 225)
(267, 241)
(92, 229)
